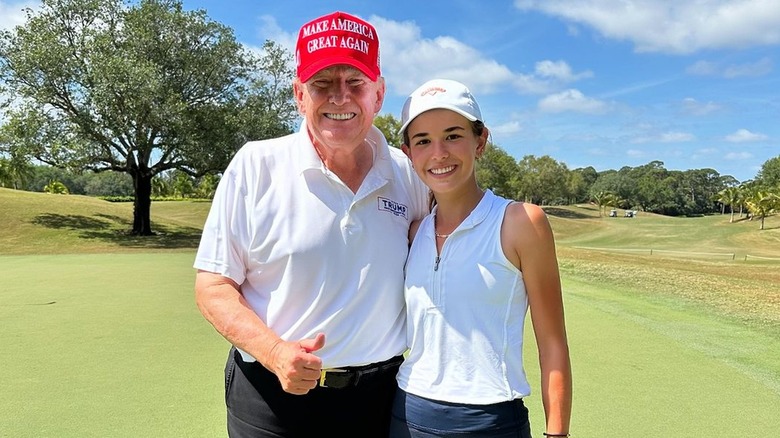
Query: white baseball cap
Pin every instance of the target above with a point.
(440, 94)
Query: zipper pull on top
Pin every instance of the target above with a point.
(436, 266)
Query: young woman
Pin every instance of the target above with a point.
(477, 263)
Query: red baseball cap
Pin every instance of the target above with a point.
(337, 38)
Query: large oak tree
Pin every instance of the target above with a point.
(142, 88)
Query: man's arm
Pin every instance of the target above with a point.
(220, 301)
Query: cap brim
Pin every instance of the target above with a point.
(306, 73)
(452, 108)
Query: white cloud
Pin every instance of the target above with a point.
(506, 129)
(762, 67)
(743, 136)
(700, 154)
(736, 156)
(269, 29)
(672, 26)
(408, 59)
(12, 13)
(572, 100)
(559, 70)
(676, 137)
(599, 152)
(635, 153)
(530, 84)
(665, 137)
(692, 106)
(703, 68)
(584, 137)
(755, 69)
(548, 76)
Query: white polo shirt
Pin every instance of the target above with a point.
(310, 255)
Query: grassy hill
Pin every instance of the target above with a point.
(581, 226)
(704, 261)
(41, 223)
(730, 270)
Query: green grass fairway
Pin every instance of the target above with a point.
(101, 336)
(661, 369)
(108, 345)
(113, 345)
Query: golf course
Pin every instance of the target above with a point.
(673, 323)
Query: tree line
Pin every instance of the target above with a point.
(145, 99)
(650, 187)
(541, 180)
(174, 184)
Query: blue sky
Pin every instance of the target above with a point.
(602, 83)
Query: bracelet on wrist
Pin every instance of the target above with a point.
(555, 434)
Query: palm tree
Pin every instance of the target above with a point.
(5, 175)
(600, 200)
(604, 200)
(729, 196)
(15, 172)
(762, 203)
(56, 187)
(159, 187)
(613, 200)
(741, 194)
(182, 184)
(207, 186)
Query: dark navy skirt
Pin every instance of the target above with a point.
(415, 416)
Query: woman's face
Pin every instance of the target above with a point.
(443, 148)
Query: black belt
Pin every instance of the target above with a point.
(351, 376)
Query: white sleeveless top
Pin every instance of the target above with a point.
(465, 317)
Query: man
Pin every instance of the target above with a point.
(300, 265)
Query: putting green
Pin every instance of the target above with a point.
(113, 345)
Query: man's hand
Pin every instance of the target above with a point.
(297, 369)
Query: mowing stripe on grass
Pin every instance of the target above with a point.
(122, 352)
(645, 368)
(113, 345)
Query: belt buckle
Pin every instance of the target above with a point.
(324, 372)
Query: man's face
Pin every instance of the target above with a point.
(339, 104)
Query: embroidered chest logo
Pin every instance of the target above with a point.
(396, 208)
